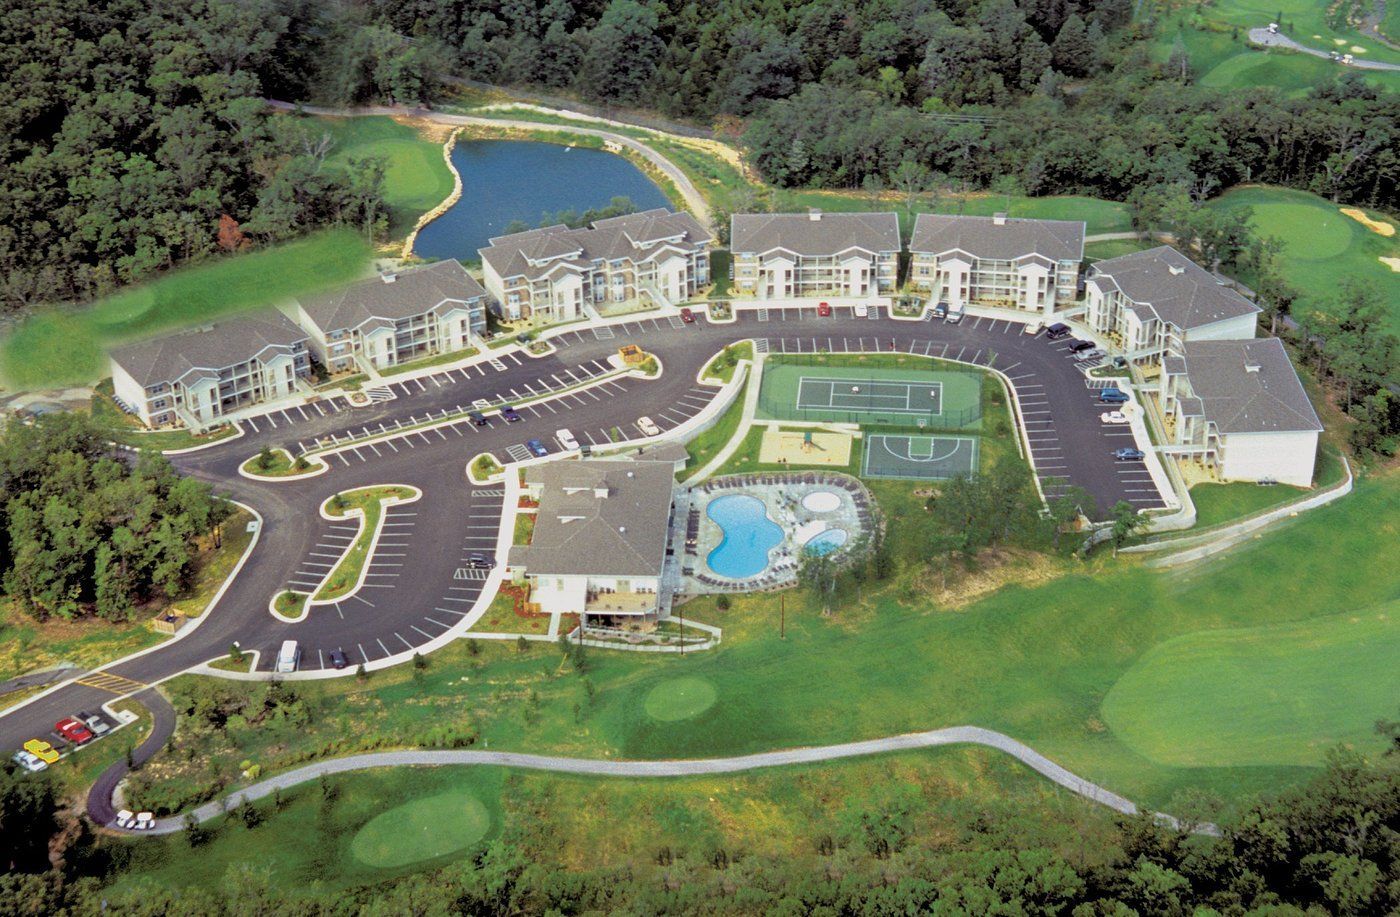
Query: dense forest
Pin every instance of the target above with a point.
(1329, 847)
(129, 129)
(83, 531)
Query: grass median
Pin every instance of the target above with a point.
(369, 502)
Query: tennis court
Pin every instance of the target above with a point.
(807, 388)
(923, 397)
(929, 458)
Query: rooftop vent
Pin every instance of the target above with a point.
(999, 219)
(1252, 367)
(814, 215)
(600, 493)
(622, 529)
(631, 474)
(1176, 270)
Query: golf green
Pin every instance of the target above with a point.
(421, 830)
(1278, 695)
(680, 699)
(1308, 231)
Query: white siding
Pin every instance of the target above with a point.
(1241, 328)
(1285, 457)
(130, 392)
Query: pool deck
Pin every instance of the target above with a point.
(783, 494)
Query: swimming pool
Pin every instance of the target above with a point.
(748, 536)
(824, 543)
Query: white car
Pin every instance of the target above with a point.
(648, 426)
(862, 310)
(566, 439)
(1032, 328)
(30, 762)
(1113, 417)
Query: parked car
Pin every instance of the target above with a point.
(73, 731)
(566, 439)
(824, 309)
(42, 750)
(537, 448)
(524, 337)
(339, 660)
(1120, 362)
(687, 316)
(862, 310)
(1056, 331)
(95, 722)
(1081, 346)
(1113, 417)
(477, 418)
(288, 657)
(1129, 454)
(1088, 356)
(478, 560)
(510, 414)
(648, 426)
(29, 761)
(955, 315)
(1032, 328)
(1113, 396)
(940, 310)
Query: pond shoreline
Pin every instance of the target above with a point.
(447, 203)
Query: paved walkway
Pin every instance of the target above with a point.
(1279, 40)
(956, 735)
(694, 200)
(101, 804)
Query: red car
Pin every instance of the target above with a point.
(823, 309)
(687, 316)
(73, 731)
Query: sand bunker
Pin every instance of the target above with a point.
(1377, 226)
(1392, 263)
(1357, 49)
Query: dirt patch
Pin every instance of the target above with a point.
(1392, 263)
(995, 569)
(429, 130)
(1380, 227)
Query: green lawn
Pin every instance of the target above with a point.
(368, 500)
(66, 347)
(437, 359)
(1280, 694)
(416, 178)
(720, 260)
(1098, 251)
(1322, 247)
(726, 362)
(1220, 503)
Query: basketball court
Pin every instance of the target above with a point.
(930, 458)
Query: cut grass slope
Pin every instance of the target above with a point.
(416, 178)
(57, 347)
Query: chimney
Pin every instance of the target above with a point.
(600, 493)
(814, 214)
(999, 219)
(389, 278)
(1176, 270)
(1252, 367)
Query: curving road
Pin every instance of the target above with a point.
(101, 807)
(1267, 39)
(694, 201)
(955, 735)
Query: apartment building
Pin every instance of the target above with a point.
(196, 378)
(809, 255)
(1031, 265)
(598, 547)
(1152, 303)
(395, 318)
(1239, 409)
(556, 274)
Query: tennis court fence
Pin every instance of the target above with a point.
(866, 397)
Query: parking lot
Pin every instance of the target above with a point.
(287, 419)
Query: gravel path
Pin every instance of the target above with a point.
(1278, 40)
(957, 735)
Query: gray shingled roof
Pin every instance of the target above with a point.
(983, 237)
(207, 350)
(1172, 287)
(412, 292)
(578, 533)
(1249, 386)
(827, 235)
(637, 236)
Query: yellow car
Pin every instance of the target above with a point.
(42, 750)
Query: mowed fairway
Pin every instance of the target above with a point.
(423, 829)
(66, 347)
(1322, 247)
(416, 178)
(1261, 696)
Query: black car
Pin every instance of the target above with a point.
(1081, 346)
(479, 561)
(940, 310)
(339, 660)
(477, 418)
(1056, 331)
(1128, 454)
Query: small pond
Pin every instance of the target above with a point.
(507, 180)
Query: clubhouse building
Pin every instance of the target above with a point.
(1152, 303)
(1238, 409)
(1030, 265)
(198, 377)
(395, 318)
(558, 274)
(601, 538)
(781, 256)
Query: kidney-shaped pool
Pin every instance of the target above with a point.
(748, 536)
